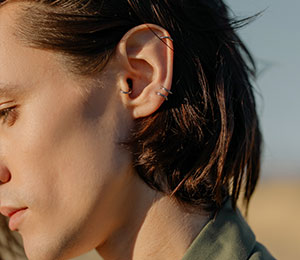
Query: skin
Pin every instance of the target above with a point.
(60, 158)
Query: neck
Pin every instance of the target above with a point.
(156, 228)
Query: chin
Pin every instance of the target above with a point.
(45, 249)
(50, 254)
(62, 246)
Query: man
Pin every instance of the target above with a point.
(126, 126)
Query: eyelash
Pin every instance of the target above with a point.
(8, 115)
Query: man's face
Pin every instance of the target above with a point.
(58, 144)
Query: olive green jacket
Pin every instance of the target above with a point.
(227, 237)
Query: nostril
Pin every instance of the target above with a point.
(5, 175)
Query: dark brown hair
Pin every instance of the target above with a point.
(204, 144)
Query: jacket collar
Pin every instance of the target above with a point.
(227, 237)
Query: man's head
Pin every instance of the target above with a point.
(72, 145)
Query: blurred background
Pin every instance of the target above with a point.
(274, 40)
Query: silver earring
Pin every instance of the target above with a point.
(126, 92)
(166, 37)
(167, 90)
(162, 95)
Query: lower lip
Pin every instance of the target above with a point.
(16, 219)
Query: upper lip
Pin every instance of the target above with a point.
(9, 211)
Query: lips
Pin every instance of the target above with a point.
(15, 216)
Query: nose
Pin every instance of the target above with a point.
(5, 175)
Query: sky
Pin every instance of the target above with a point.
(274, 41)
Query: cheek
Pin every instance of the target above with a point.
(81, 196)
(67, 166)
(69, 170)
(62, 161)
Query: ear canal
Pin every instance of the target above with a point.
(130, 83)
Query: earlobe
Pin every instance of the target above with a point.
(145, 56)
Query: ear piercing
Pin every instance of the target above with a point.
(129, 82)
(167, 90)
(157, 93)
(163, 88)
(126, 92)
(166, 37)
(162, 95)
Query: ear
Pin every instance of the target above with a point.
(145, 56)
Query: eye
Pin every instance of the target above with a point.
(8, 115)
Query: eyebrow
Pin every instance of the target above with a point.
(10, 90)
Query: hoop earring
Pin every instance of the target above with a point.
(126, 92)
(167, 90)
(162, 95)
(166, 37)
